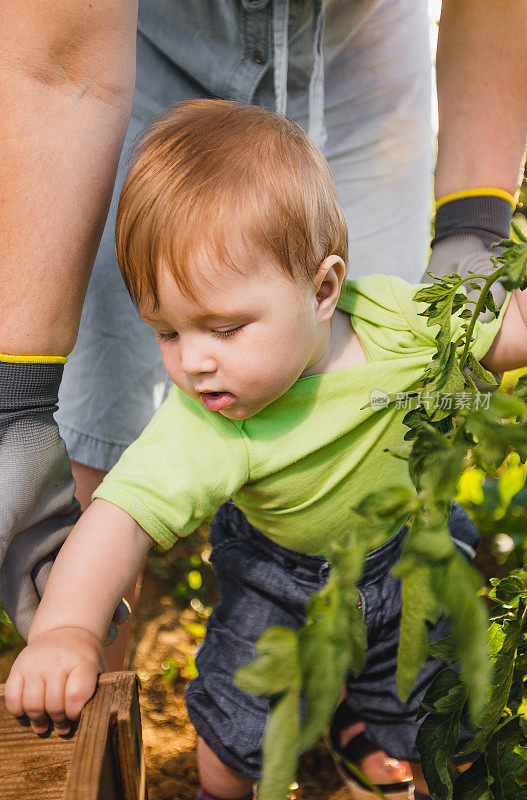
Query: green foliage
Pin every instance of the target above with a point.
(499, 771)
(170, 668)
(9, 638)
(303, 670)
(188, 569)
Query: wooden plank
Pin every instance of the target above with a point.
(31, 766)
(91, 770)
(101, 760)
(126, 735)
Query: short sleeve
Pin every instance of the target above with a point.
(484, 332)
(184, 465)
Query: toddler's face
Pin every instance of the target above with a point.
(243, 342)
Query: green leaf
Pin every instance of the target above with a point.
(503, 644)
(512, 481)
(447, 694)
(495, 438)
(439, 732)
(503, 669)
(479, 371)
(469, 487)
(277, 666)
(520, 390)
(505, 405)
(514, 258)
(280, 748)
(473, 784)
(491, 305)
(518, 232)
(348, 565)
(434, 740)
(438, 735)
(325, 657)
(436, 462)
(503, 764)
(456, 585)
(389, 502)
(418, 608)
(444, 650)
(511, 588)
(515, 698)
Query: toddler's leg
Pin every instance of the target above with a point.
(217, 780)
(261, 584)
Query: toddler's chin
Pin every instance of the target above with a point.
(242, 412)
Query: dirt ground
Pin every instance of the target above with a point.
(177, 592)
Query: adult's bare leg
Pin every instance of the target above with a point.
(67, 86)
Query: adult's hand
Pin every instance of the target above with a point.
(466, 231)
(38, 507)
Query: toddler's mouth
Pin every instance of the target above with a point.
(217, 401)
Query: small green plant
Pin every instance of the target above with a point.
(9, 638)
(441, 444)
(496, 746)
(170, 669)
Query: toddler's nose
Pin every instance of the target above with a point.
(195, 361)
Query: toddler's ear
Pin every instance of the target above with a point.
(328, 283)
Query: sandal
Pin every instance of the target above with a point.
(359, 747)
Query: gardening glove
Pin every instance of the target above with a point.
(467, 224)
(37, 503)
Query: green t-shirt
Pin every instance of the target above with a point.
(297, 466)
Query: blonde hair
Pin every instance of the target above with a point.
(240, 181)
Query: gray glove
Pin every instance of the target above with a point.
(465, 230)
(37, 503)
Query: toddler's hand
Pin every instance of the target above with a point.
(54, 677)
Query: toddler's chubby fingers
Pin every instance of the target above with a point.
(55, 702)
(79, 688)
(34, 705)
(14, 689)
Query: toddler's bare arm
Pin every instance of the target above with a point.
(509, 348)
(56, 673)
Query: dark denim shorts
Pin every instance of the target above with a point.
(263, 584)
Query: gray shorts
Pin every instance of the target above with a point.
(379, 147)
(262, 584)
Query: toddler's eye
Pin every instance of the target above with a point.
(226, 334)
(166, 337)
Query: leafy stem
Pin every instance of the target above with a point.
(477, 310)
(305, 669)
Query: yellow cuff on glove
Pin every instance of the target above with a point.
(11, 359)
(489, 191)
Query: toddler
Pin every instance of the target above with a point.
(233, 245)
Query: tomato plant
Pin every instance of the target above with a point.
(441, 445)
